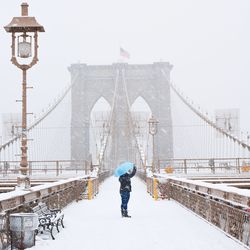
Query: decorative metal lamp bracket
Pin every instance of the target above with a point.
(14, 59)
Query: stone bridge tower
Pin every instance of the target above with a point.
(93, 82)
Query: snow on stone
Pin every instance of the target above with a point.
(222, 187)
(19, 192)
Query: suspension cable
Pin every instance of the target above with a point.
(132, 128)
(206, 119)
(43, 116)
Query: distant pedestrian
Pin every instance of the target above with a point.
(125, 190)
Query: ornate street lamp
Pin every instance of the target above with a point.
(153, 123)
(26, 28)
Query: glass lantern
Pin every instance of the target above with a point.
(24, 46)
(152, 126)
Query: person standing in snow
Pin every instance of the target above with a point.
(125, 190)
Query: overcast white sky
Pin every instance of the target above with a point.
(207, 41)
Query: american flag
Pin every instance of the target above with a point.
(124, 53)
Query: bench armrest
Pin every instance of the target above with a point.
(54, 210)
(44, 220)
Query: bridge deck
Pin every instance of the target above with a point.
(157, 225)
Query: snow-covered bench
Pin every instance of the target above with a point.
(48, 218)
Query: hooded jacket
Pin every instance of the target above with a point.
(126, 182)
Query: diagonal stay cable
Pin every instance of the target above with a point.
(103, 147)
(42, 117)
(205, 118)
(130, 117)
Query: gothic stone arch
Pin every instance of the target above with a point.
(147, 81)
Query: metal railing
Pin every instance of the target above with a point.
(47, 168)
(57, 194)
(205, 166)
(227, 210)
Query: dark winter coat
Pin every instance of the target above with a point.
(126, 182)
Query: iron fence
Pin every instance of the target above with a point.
(204, 166)
(56, 195)
(226, 210)
(48, 168)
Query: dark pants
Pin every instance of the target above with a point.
(125, 198)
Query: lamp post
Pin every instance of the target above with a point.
(25, 47)
(153, 123)
(248, 138)
(2, 221)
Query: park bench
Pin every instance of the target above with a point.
(48, 218)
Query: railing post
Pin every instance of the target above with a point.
(155, 191)
(57, 168)
(5, 165)
(90, 189)
(86, 167)
(238, 165)
(185, 166)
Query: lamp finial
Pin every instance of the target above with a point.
(25, 9)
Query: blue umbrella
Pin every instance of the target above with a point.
(123, 168)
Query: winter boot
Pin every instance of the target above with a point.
(123, 212)
(126, 214)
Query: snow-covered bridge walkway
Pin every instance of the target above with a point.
(156, 225)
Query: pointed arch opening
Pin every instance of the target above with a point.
(99, 120)
(141, 112)
(140, 105)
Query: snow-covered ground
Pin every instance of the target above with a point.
(157, 225)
